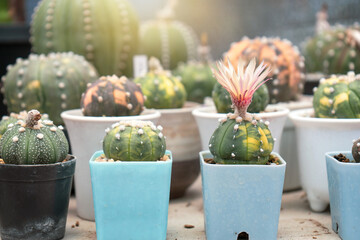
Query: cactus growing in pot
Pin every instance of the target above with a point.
(51, 83)
(241, 138)
(104, 32)
(134, 141)
(112, 96)
(338, 97)
(160, 88)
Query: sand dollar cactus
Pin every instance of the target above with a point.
(51, 84)
(160, 88)
(33, 141)
(284, 59)
(334, 51)
(241, 138)
(338, 97)
(112, 96)
(134, 141)
(104, 32)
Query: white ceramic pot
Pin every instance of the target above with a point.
(86, 134)
(315, 137)
(183, 140)
(207, 121)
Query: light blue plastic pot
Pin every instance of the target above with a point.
(131, 199)
(241, 199)
(344, 192)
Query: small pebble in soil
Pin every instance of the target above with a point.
(77, 224)
(188, 226)
(341, 158)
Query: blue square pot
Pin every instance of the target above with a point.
(131, 199)
(344, 191)
(241, 199)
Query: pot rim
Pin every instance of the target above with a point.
(210, 112)
(76, 115)
(330, 155)
(303, 115)
(188, 107)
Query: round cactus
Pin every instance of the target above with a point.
(169, 40)
(33, 141)
(223, 102)
(134, 141)
(338, 97)
(105, 32)
(241, 138)
(284, 59)
(160, 88)
(51, 84)
(355, 150)
(112, 96)
(334, 51)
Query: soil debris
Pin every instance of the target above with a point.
(188, 226)
(341, 158)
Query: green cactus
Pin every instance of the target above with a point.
(241, 138)
(223, 102)
(134, 141)
(33, 141)
(160, 88)
(112, 96)
(334, 51)
(355, 150)
(105, 32)
(338, 97)
(51, 84)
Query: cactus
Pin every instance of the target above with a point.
(33, 141)
(355, 150)
(223, 102)
(169, 40)
(112, 96)
(284, 59)
(241, 138)
(160, 88)
(338, 97)
(134, 141)
(51, 84)
(105, 32)
(334, 51)
(197, 76)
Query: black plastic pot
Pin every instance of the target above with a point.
(34, 200)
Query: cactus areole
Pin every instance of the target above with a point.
(241, 138)
(134, 141)
(33, 141)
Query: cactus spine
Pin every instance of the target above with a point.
(33, 141)
(134, 141)
(241, 138)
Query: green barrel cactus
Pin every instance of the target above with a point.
(104, 32)
(33, 141)
(338, 97)
(51, 84)
(160, 88)
(241, 138)
(334, 51)
(112, 96)
(168, 40)
(134, 141)
(223, 104)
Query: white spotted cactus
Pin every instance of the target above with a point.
(105, 32)
(134, 141)
(51, 84)
(33, 141)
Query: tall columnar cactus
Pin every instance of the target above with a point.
(112, 96)
(338, 97)
(33, 141)
(169, 40)
(241, 138)
(160, 88)
(134, 141)
(334, 51)
(105, 32)
(197, 76)
(51, 84)
(284, 59)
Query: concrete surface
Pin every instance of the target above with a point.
(296, 219)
